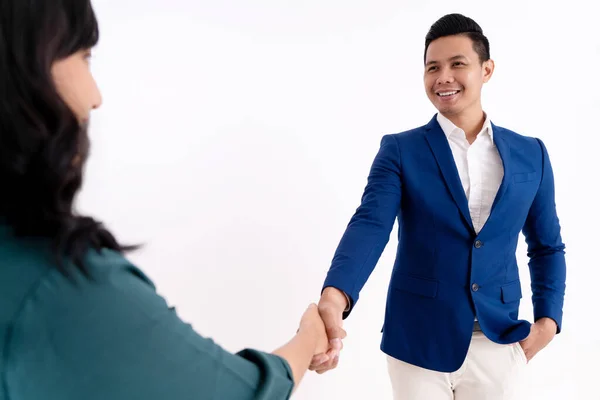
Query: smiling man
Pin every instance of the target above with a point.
(462, 190)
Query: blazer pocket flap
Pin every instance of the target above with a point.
(420, 286)
(524, 177)
(511, 292)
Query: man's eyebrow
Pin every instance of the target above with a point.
(453, 58)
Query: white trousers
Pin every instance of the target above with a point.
(491, 371)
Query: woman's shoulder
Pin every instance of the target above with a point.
(106, 265)
(29, 265)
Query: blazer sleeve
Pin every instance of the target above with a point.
(369, 229)
(114, 338)
(545, 248)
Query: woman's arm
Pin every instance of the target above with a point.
(115, 338)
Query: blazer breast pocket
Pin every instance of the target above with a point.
(524, 177)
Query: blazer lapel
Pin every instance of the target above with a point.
(443, 154)
(505, 154)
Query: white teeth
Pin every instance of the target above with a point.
(444, 94)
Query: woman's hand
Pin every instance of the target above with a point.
(311, 324)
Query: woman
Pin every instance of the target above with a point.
(77, 320)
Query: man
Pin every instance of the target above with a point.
(462, 189)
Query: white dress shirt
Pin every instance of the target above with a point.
(479, 167)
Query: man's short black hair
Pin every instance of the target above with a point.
(458, 24)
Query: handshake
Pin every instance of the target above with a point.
(324, 323)
(318, 341)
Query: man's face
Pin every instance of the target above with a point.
(454, 75)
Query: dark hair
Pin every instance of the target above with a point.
(43, 146)
(458, 24)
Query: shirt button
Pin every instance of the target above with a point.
(475, 287)
(478, 244)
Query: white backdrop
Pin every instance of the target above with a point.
(236, 137)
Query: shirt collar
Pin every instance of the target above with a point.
(449, 128)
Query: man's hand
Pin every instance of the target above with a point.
(542, 333)
(331, 307)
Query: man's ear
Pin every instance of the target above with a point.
(488, 70)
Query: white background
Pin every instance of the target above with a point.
(236, 137)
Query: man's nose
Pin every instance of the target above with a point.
(445, 76)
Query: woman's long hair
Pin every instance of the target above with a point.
(43, 146)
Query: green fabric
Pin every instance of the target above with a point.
(111, 337)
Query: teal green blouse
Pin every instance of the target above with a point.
(111, 337)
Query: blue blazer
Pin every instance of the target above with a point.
(444, 273)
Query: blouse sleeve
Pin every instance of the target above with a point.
(113, 337)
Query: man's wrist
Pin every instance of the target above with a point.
(332, 296)
(547, 323)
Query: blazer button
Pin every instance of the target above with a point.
(475, 287)
(478, 244)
